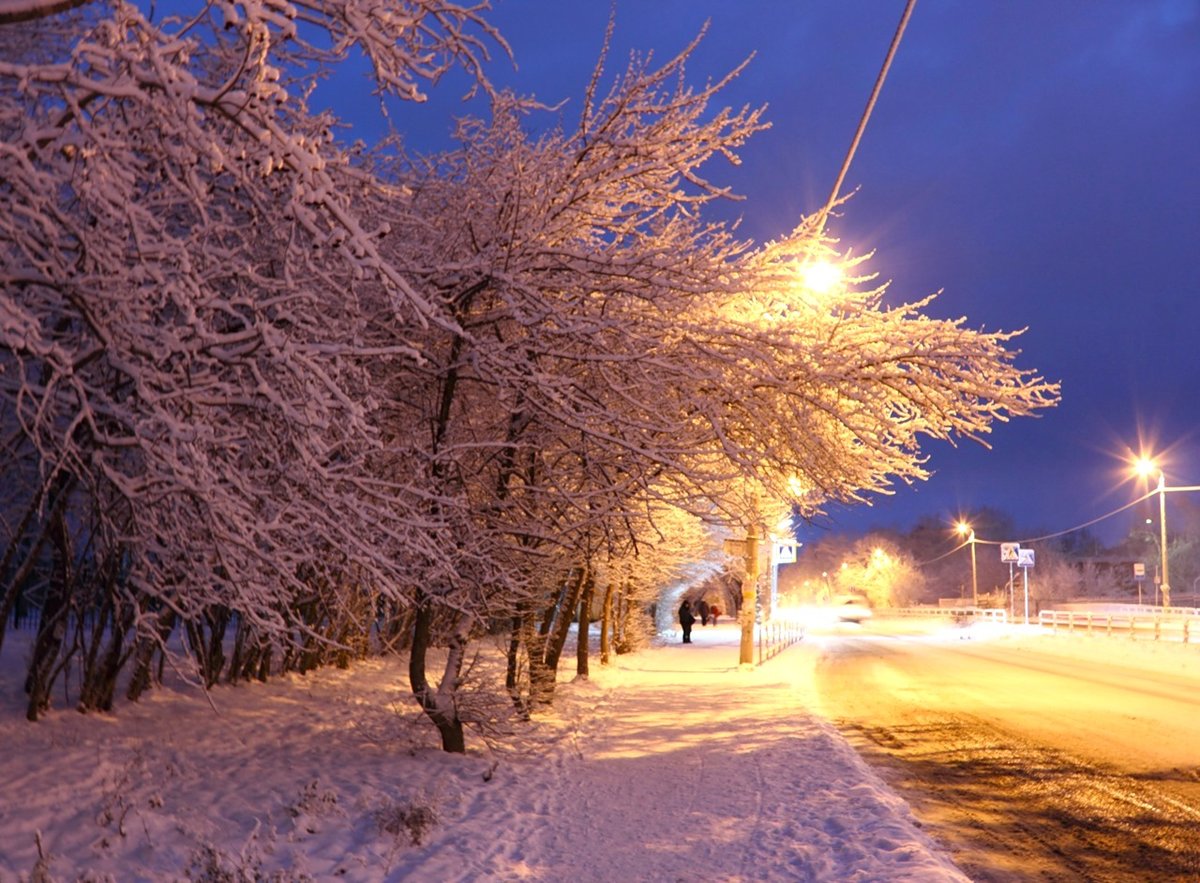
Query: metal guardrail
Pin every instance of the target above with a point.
(1157, 626)
(1122, 607)
(776, 635)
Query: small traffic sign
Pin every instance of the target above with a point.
(1009, 552)
(1025, 558)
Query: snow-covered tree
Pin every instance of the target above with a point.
(878, 569)
(281, 382)
(562, 264)
(184, 270)
(671, 547)
(603, 344)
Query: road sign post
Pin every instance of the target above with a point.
(1009, 554)
(1025, 559)
(782, 552)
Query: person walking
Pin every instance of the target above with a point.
(686, 618)
(702, 609)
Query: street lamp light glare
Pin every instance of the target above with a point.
(820, 276)
(1146, 467)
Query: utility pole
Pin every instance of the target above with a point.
(965, 530)
(1162, 527)
(974, 574)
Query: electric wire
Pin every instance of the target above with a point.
(1060, 533)
(1044, 537)
(823, 217)
(866, 115)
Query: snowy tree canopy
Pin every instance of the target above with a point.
(254, 371)
(182, 330)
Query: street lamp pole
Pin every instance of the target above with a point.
(1147, 467)
(967, 531)
(974, 572)
(1162, 526)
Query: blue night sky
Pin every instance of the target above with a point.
(1036, 160)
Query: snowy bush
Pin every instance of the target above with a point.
(411, 818)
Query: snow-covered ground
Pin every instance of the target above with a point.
(671, 764)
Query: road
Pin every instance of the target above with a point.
(1027, 766)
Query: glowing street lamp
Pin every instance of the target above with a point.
(821, 276)
(964, 530)
(1147, 468)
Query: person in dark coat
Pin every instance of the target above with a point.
(702, 609)
(686, 618)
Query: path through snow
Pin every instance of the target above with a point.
(672, 764)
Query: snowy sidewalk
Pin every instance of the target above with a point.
(672, 764)
(687, 768)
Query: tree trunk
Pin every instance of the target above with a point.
(143, 671)
(100, 679)
(12, 593)
(542, 676)
(624, 634)
(512, 675)
(606, 623)
(53, 625)
(103, 666)
(206, 637)
(438, 705)
(546, 647)
(583, 642)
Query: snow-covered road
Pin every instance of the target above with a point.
(672, 763)
(1023, 758)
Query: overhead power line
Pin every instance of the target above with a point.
(1059, 533)
(862, 123)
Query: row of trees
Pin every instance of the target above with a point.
(931, 562)
(297, 400)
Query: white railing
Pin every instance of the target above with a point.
(776, 635)
(1124, 608)
(985, 614)
(1158, 624)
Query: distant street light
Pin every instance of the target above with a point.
(1147, 468)
(965, 530)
